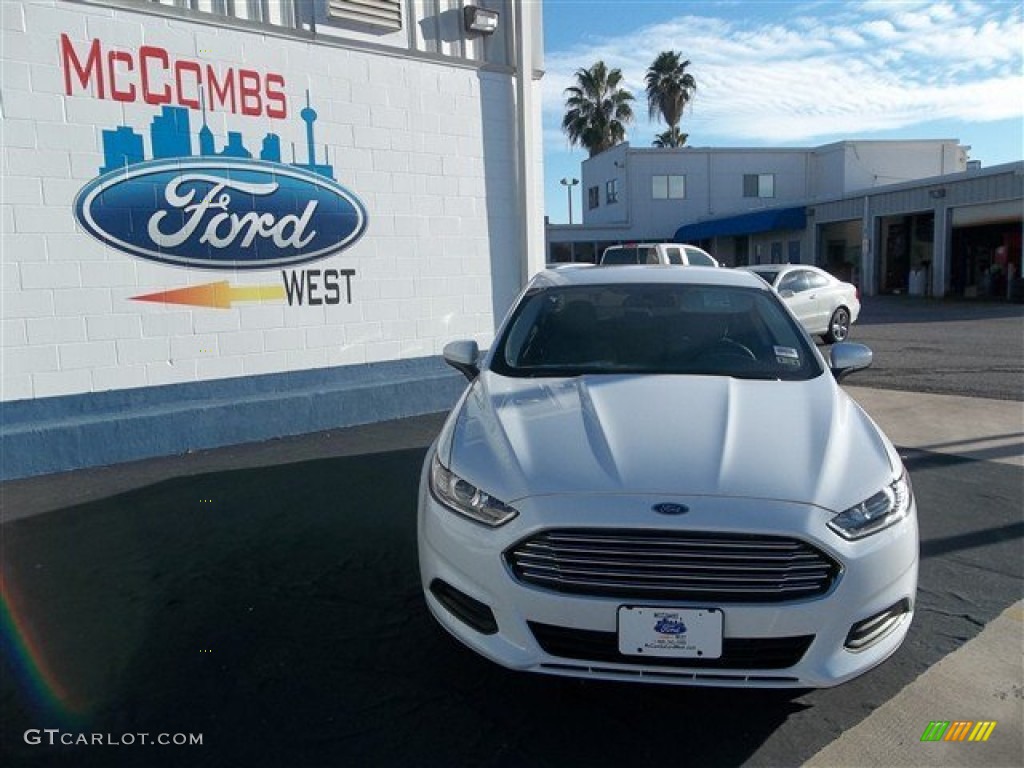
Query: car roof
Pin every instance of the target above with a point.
(636, 245)
(781, 268)
(652, 245)
(648, 273)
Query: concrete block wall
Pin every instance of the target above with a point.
(424, 144)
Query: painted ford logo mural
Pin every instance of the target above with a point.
(217, 208)
(220, 214)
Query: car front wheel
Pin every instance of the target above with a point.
(838, 326)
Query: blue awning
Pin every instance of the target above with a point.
(744, 224)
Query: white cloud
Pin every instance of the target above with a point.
(882, 29)
(818, 71)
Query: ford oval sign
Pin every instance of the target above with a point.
(220, 213)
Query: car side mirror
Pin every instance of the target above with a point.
(845, 358)
(463, 357)
(787, 294)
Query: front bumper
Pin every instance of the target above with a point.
(541, 630)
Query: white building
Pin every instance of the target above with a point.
(876, 212)
(654, 190)
(225, 221)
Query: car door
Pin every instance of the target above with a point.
(823, 292)
(795, 290)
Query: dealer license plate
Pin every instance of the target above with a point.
(687, 634)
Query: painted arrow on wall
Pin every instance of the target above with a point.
(220, 295)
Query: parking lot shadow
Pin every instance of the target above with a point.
(277, 611)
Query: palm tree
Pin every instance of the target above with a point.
(673, 137)
(669, 89)
(597, 109)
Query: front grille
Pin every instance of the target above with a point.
(737, 652)
(673, 565)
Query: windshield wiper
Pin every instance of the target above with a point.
(753, 376)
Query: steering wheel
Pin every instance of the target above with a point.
(728, 348)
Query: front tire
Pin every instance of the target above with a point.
(838, 326)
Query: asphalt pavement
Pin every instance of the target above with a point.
(974, 349)
(273, 607)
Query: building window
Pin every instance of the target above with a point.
(759, 185)
(559, 253)
(668, 187)
(434, 26)
(611, 191)
(593, 197)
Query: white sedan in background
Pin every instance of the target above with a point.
(654, 476)
(824, 305)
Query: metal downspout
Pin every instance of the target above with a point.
(531, 254)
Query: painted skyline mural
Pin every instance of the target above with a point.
(170, 136)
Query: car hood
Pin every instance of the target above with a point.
(803, 441)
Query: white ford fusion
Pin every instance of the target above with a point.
(654, 475)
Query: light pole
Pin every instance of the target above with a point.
(569, 184)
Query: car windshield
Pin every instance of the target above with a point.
(768, 275)
(653, 328)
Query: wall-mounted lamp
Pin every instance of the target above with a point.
(936, 194)
(483, 21)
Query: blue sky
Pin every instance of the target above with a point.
(791, 73)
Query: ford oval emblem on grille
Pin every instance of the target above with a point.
(667, 508)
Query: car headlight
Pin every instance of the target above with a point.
(465, 498)
(885, 508)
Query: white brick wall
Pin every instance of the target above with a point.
(55, 383)
(34, 275)
(30, 360)
(405, 135)
(15, 303)
(13, 333)
(18, 133)
(54, 330)
(93, 354)
(136, 351)
(171, 372)
(114, 327)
